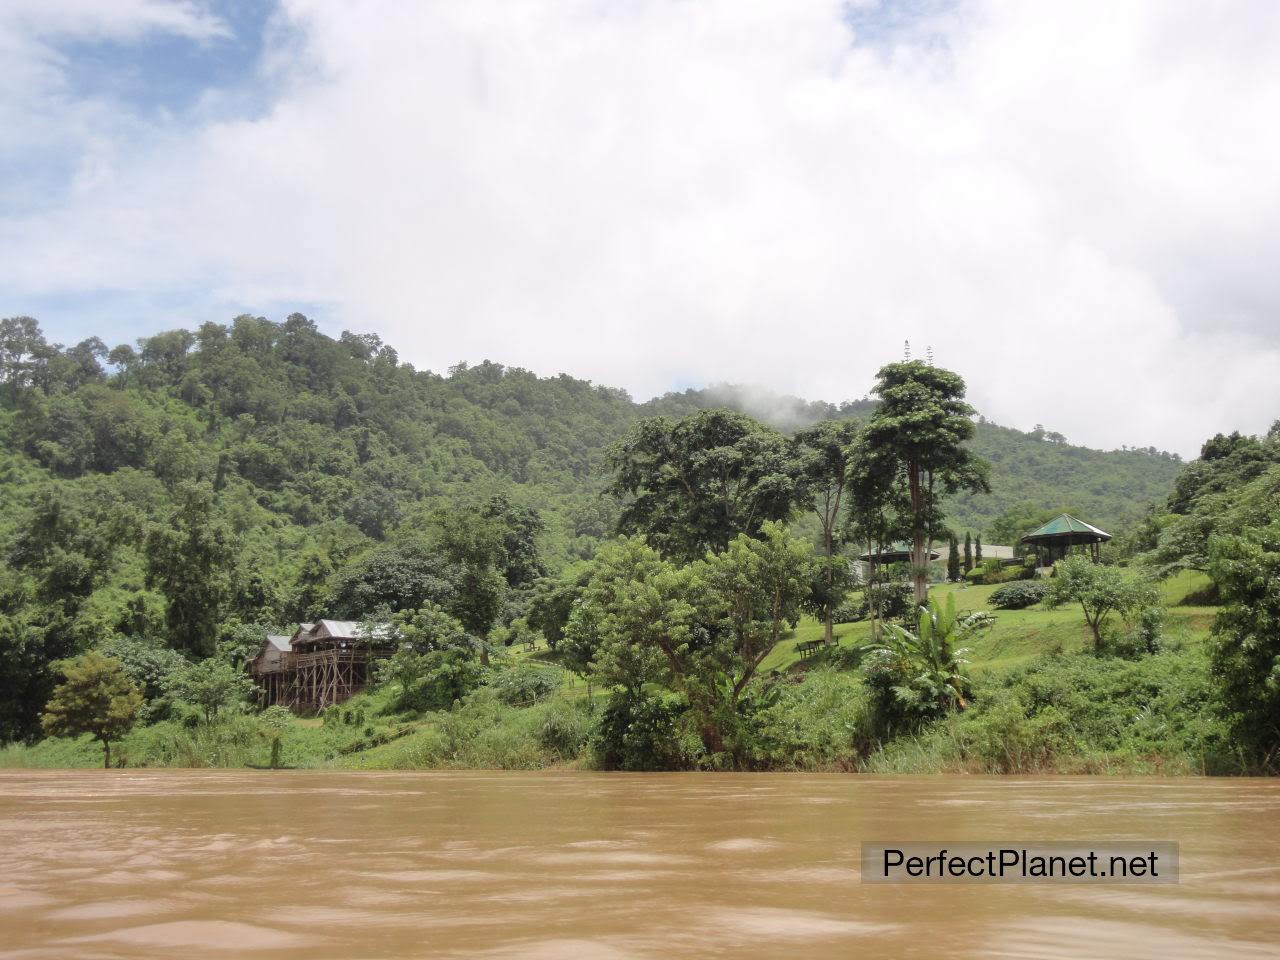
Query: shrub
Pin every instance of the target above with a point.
(822, 723)
(850, 610)
(431, 681)
(524, 683)
(1078, 713)
(1019, 595)
(916, 676)
(565, 730)
(642, 732)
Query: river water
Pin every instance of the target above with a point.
(316, 864)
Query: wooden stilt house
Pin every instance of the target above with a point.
(323, 663)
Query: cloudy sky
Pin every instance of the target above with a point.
(1077, 205)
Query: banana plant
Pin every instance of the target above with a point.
(924, 669)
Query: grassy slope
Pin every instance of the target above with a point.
(1018, 635)
(509, 738)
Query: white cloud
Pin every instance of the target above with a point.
(1075, 204)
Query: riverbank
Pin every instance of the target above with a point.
(1042, 703)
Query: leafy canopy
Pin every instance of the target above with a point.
(96, 697)
(1101, 591)
(693, 484)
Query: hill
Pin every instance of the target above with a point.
(1031, 472)
(312, 439)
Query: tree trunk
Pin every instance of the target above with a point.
(712, 738)
(827, 632)
(1096, 627)
(106, 754)
(919, 561)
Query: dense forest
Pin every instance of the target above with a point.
(182, 494)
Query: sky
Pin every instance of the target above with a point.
(1074, 205)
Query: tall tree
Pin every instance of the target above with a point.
(696, 483)
(189, 559)
(520, 527)
(20, 341)
(968, 551)
(96, 697)
(953, 561)
(474, 541)
(977, 549)
(922, 424)
(875, 515)
(824, 457)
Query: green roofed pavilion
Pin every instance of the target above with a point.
(1055, 539)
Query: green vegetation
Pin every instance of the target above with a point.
(1100, 592)
(162, 516)
(917, 676)
(919, 429)
(95, 698)
(1019, 595)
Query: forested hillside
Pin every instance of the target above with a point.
(1031, 473)
(269, 473)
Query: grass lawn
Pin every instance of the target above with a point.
(1018, 636)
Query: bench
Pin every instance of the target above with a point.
(807, 648)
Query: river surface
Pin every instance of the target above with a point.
(314, 864)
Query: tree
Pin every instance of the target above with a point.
(212, 685)
(189, 559)
(97, 697)
(147, 664)
(759, 586)
(824, 454)
(968, 552)
(977, 550)
(553, 601)
(1246, 636)
(1101, 591)
(473, 541)
(634, 613)
(876, 516)
(519, 528)
(703, 629)
(20, 341)
(423, 630)
(405, 575)
(694, 484)
(433, 663)
(311, 594)
(921, 426)
(953, 560)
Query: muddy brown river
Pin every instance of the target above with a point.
(314, 864)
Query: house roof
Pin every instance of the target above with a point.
(1067, 529)
(896, 552)
(280, 643)
(339, 628)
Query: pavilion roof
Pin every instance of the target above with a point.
(1067, 529)
(895, 552)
